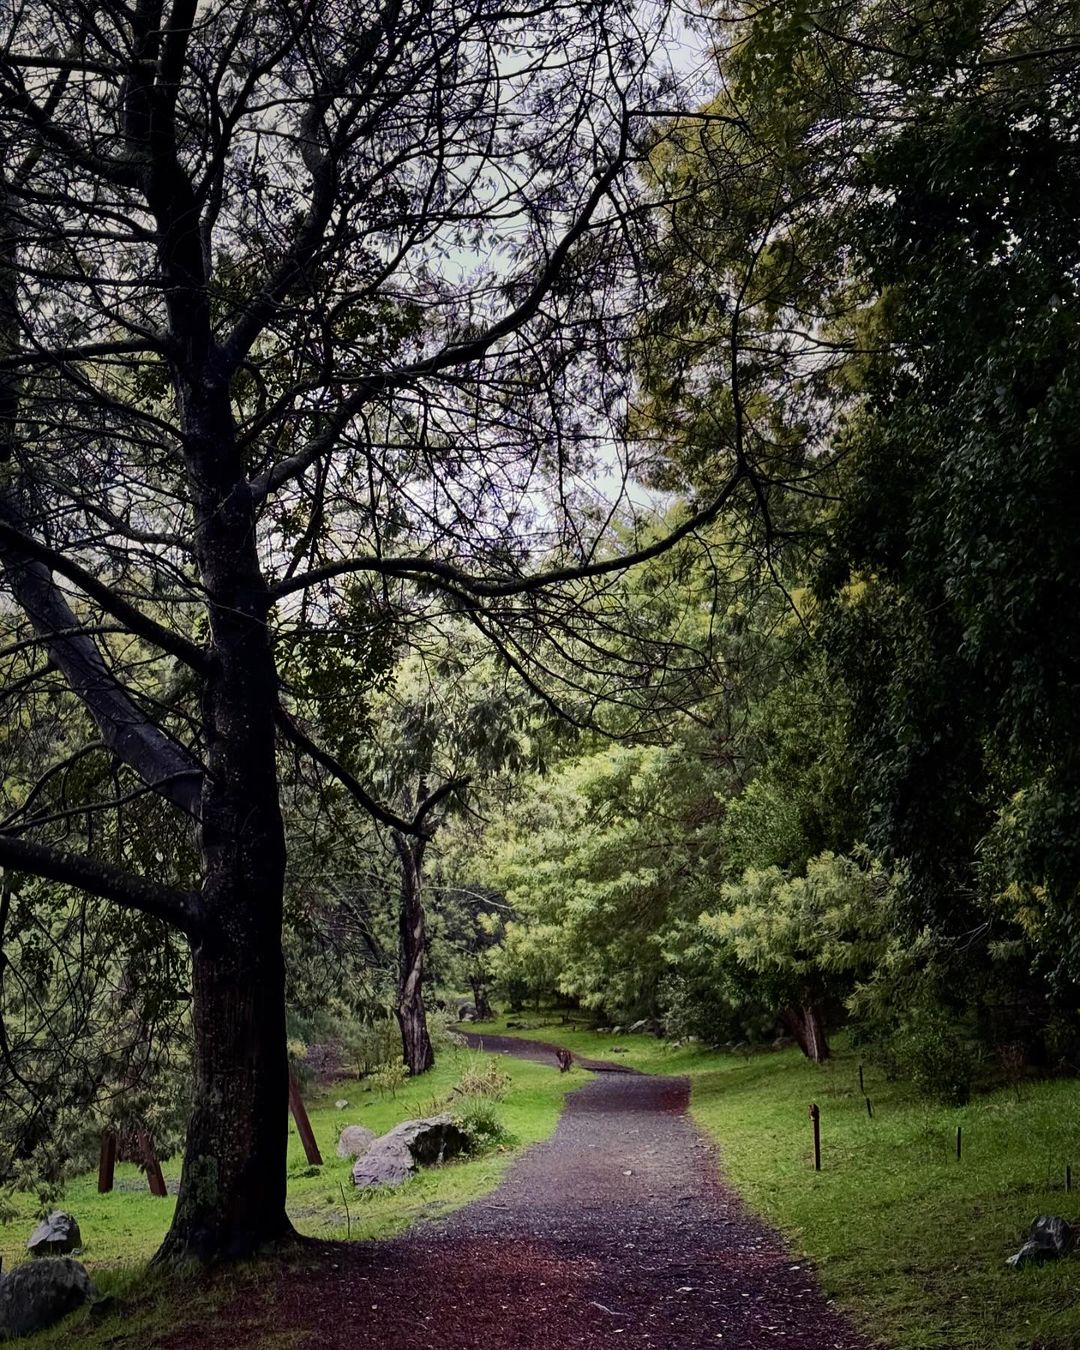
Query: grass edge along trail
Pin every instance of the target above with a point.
(906, 1238)
(121, 1230)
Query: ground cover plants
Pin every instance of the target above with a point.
(122, 1229)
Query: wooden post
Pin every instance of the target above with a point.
(1068, 1176)
(815, 1116)
(862, 1085)
(869, 1109)
(106, 1163)
(154, 1179)
(959, 1141)
(303, 1125)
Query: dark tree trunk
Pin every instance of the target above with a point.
(412, 1017)
(480, 998)
(232, 1192)
(808, 1029)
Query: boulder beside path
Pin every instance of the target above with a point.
(38, 1293)
(395, 1156)
(354, 1140)
(56, 1235)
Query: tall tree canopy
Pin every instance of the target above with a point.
(309, 325)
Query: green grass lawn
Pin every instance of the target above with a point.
(121, 1230)
(910, 1240)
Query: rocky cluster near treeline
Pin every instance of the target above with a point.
(646, 1024)
(43, 1290)
(395, 1156)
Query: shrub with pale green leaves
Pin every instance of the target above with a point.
(480, 1121)
(483, 1078)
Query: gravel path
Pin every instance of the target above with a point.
(615, 1232)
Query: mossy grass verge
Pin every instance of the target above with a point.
(910, 1240)
(122, 1230)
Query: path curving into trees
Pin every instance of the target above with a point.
(615, 1232)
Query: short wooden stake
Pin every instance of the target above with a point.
(959, 1142)
(303, 1125)
(869, 1109)
(862, 1085)
(154, 1179)
(106, 1163)
(1068, 1176)
(815, 1116)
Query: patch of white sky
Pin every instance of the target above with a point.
(681, 60)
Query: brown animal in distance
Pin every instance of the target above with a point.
(565, 1059)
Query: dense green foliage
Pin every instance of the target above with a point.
(817, 765)
(867, 306)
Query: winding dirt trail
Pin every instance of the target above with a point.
(615, 1232)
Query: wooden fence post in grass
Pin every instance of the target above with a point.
(862, 1085)
(869, 1109)
(303, 1125)
(1068, 1176)
(154, 1179)
(959, 1141)
(815, 1116)
(106, 1163)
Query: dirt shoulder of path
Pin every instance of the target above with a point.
(618, 1231)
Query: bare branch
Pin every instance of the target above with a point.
(181, 909)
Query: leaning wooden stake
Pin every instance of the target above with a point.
(106, 1163)
(154, 1179)
(815, 1116)
(303, 1125)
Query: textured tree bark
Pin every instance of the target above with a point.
(808, 1029)
(411, 1014)
(232, 1192)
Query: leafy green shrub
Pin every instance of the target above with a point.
(483, 1078)
(932, 1054)
(389, 1078)
(442, 1028)
(479, 1119)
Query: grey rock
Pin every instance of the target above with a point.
(617, 1031)
(466, 1012)
(642, 1025)
(354, 1140)
(395, 1156)
(618, 1050)
(1049, 1239)
(38, 1293)
(55, 1236)
(341, 1104)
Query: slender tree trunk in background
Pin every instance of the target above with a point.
(808, 1029)
(480, 998)
(412, 1017)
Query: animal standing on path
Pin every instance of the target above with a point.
(565, 1059)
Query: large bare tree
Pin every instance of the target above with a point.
(310, 322)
